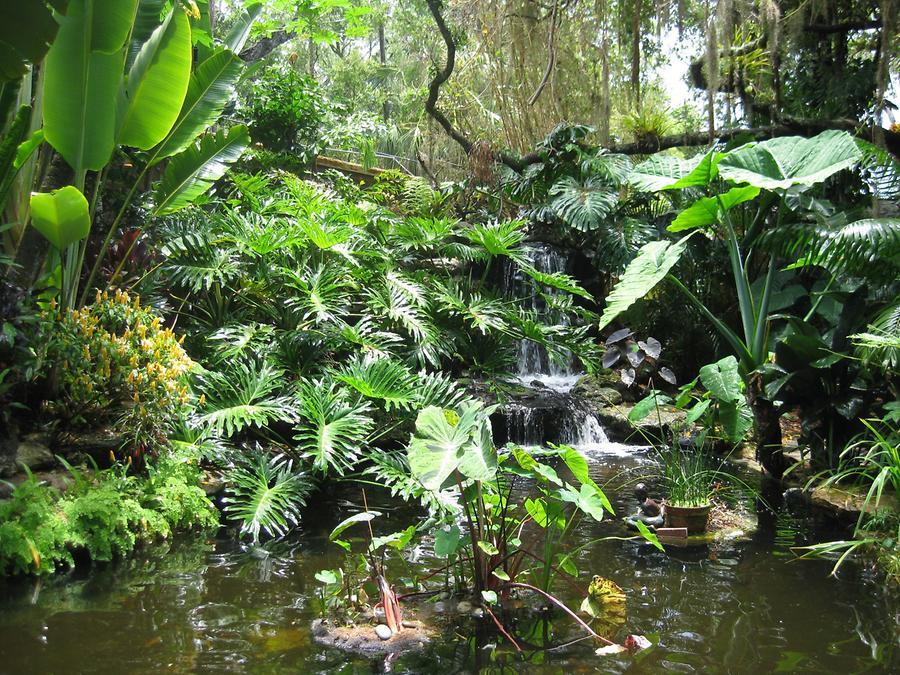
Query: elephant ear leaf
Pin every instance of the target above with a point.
(193, 171)
(62, 216)
(652, 263)
(723, 379)
(779, 163)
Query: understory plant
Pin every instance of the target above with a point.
(103, 514)
(325, 325)
(113, 362)
(759, 204)
(509, 545)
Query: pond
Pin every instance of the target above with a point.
(214, 606)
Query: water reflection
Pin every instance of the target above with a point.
(213, 606)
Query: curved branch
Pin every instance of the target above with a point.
(434, 90)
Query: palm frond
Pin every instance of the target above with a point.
(265, 493)
(333, 428)
(880, 344)
(869, 247)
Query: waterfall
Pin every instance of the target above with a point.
(583, 431)
(533, 362)
(524, 425)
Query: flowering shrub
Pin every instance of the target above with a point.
(117, 363)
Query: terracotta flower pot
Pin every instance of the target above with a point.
(694, 518)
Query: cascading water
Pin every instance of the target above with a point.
(582, 430)
(524, 425)
(533, 363)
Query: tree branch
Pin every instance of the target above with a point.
(266, 45)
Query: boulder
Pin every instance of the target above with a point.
(655, 427)
(34, 454)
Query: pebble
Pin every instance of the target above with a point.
(439, 607)
(478, 613)
(383, 631)
(464, 607)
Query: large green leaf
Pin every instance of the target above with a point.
(61, 216)
(193, 171)
(27, 28)
(791, 160)
(157, 83)
(723, 379)
(9, 145)
(82, 76)
(479, 459)
(210, 89)
(652, 264)
(665, 172)
(705, 211)
(437, 447)
(149, 13)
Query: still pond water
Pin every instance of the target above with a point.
(214, 607)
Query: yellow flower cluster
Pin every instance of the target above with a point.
(118, 359)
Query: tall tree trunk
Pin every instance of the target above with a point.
(636, 52)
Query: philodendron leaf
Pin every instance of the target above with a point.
(62, 216)
(705, 211)
(652, 264)
(791, 160)
(665, 172)
(723, 379)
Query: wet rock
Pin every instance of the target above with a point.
(464, 607)
(846, 503)
(439, 607)
(478, 613)
(34, 454)
(383, 632)
(618, 426)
